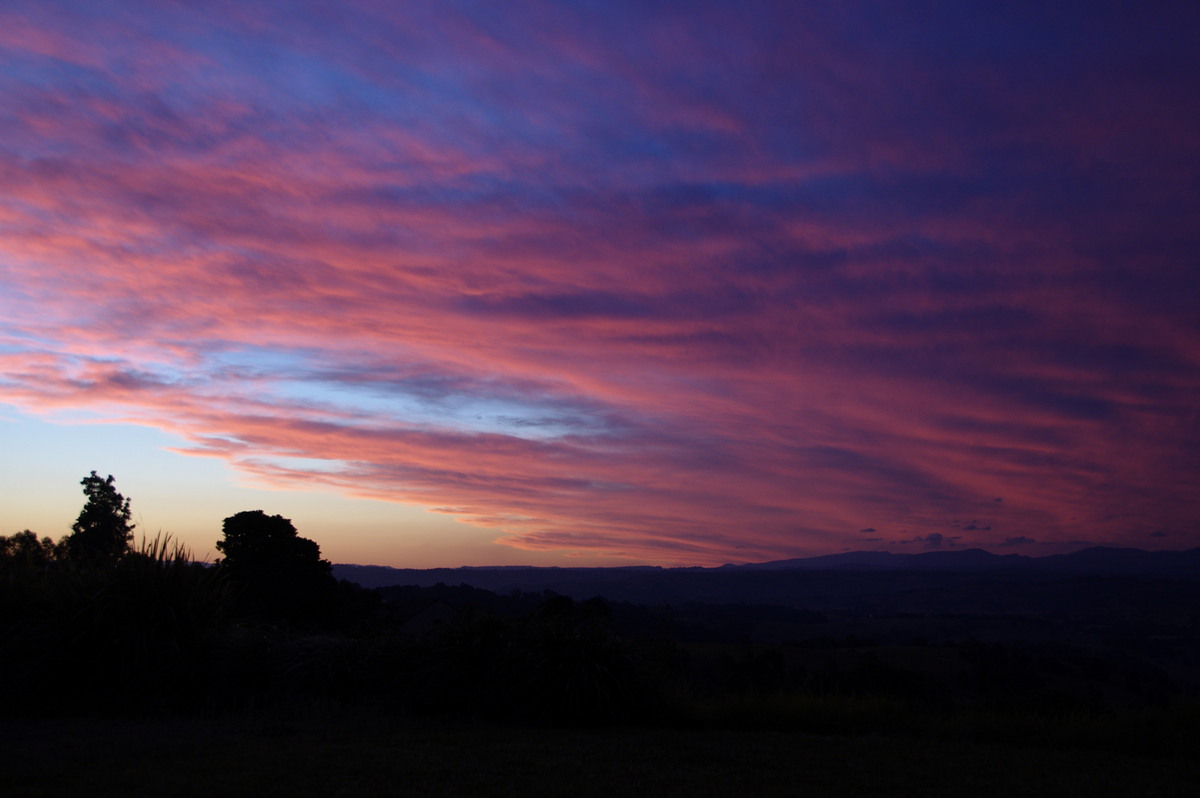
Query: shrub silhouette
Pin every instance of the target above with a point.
(279, 573)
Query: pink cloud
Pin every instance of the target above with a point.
(698, 294)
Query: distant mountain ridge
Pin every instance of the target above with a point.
(964, 559)
(1094, 561)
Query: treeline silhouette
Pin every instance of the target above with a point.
(95, 623)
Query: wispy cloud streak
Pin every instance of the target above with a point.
(676, 282)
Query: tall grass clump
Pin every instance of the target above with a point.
(88, 634)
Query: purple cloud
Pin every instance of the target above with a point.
(667, 282)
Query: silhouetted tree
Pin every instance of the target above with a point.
(25, 548)
(277, 570)
(102, 532)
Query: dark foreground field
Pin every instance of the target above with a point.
(335, 752)
(149, 674)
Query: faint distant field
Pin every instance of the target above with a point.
(355, 754)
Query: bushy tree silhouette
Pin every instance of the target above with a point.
(102, 533)
(26, 549)
(278, 571)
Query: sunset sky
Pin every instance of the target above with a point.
(605, 282)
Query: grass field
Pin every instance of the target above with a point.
(339, 752)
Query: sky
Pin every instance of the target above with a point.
(597, 283)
